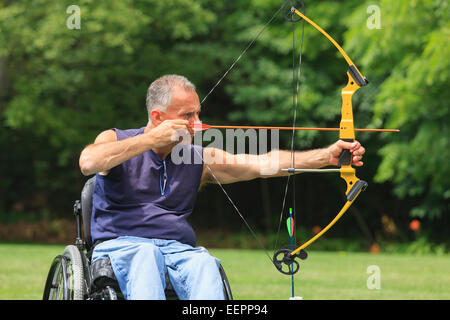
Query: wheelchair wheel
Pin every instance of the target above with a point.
(226, 285)
(65, 280)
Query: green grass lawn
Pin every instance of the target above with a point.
(324, 275)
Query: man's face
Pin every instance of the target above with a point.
(184, 105)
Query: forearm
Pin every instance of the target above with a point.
(228, 169)
(101, 157)
(282, 159)
(311, 159)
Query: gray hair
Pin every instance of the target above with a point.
(159, 93)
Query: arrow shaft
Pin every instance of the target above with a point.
(295, 128)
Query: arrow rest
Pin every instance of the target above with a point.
(288, 260)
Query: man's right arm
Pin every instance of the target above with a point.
(107, 152)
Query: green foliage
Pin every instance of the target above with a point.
(419, 246)
(62, 87)
(59, 88)
(406, 56)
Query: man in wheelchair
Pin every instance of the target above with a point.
(136, 232)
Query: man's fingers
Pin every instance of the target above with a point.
(359, 151)
(353, 146)
(182, 124)
(358, 163)
(179, 121)
(346, 145)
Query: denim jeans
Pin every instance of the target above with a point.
(140, 266)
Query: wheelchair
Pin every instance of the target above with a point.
(72, 276)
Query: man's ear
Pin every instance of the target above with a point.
(156, 117)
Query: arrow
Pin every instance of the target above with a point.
(203, 126)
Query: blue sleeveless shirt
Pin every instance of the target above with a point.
(147, 196)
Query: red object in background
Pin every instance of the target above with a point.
(374, 248)
(316, 229)
(414, 225)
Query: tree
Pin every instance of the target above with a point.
(407, 59)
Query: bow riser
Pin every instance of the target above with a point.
(347, 132)
(346, 127)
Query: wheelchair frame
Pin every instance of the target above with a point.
(73, 277)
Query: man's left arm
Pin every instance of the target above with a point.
(230, 168)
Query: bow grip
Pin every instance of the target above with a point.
(345, 158)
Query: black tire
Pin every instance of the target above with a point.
(226, 285)
(65, 280)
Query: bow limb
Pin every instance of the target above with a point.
(352, 68)
(288, 256)
(317, 236)
(353, 191)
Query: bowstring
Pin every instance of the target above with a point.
(296, 89)
(295, 95)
